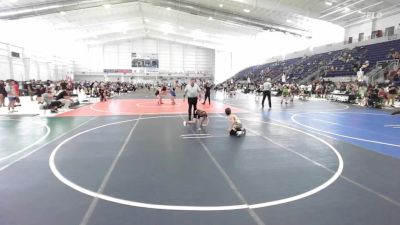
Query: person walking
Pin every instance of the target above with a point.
(192, 92)
(12, 95)
(267, 92)
(207, 94)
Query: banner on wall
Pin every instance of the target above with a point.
(124, 71)
(145, 62)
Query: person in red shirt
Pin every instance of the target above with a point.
(12, 93)
(16, 91)
(382, 94)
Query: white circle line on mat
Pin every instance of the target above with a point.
(48, 131)
(109, 198)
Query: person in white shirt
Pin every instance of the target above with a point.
(192, 92)
(309, 90)
(267, 92)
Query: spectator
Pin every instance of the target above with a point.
(64, 98)
(12, 94)
(51, 104)
(3, 93)
(392, 94)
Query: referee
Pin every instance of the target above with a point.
(207, 86)
(267, 92)
(192, 92)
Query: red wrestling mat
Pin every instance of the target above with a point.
(143, 107)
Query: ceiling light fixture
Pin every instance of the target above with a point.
(346, 9)
(210, 18)
(289, 21)
(328, 3)
(221, 5)
(107, 6)
(63, 13)
(246, 10)
(168, 9)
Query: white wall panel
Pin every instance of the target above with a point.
(173, 57)
(164, 56)
(223, 66)
(366, 28)
(4, 68)
(190, 58)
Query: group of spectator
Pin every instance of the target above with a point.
(52, 95)
(393, 54)
(366, 95)
(356, 57)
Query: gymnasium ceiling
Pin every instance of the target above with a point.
(189, 21)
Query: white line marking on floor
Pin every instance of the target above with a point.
(349, 179)
(94, 194)
(231, 184)
(45, 144)
(312, 191)
(107, 177)
(324, 121)
(198, 137)
(48, 131)
(193, 135)
(293, 118)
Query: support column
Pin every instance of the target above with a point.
(10, 62)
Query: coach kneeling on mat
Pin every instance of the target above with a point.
(192, 91)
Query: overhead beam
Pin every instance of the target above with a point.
(179, 5)
(354, 11)
(341, 9)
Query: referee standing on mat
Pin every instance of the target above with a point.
(192, 92)
(267, 92)
(207, 86)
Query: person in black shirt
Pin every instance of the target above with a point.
(63, 85)
(64, 98)
(38, 93)
(102, 93)
(392, 94)
(62, 95)
(3, 93)
(31, 89)
(207, 86)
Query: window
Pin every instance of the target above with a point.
(360, 37)
(15, 54)
(389, 31)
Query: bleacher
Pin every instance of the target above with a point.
(311, 64)
(338, 63)
(372, 53)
